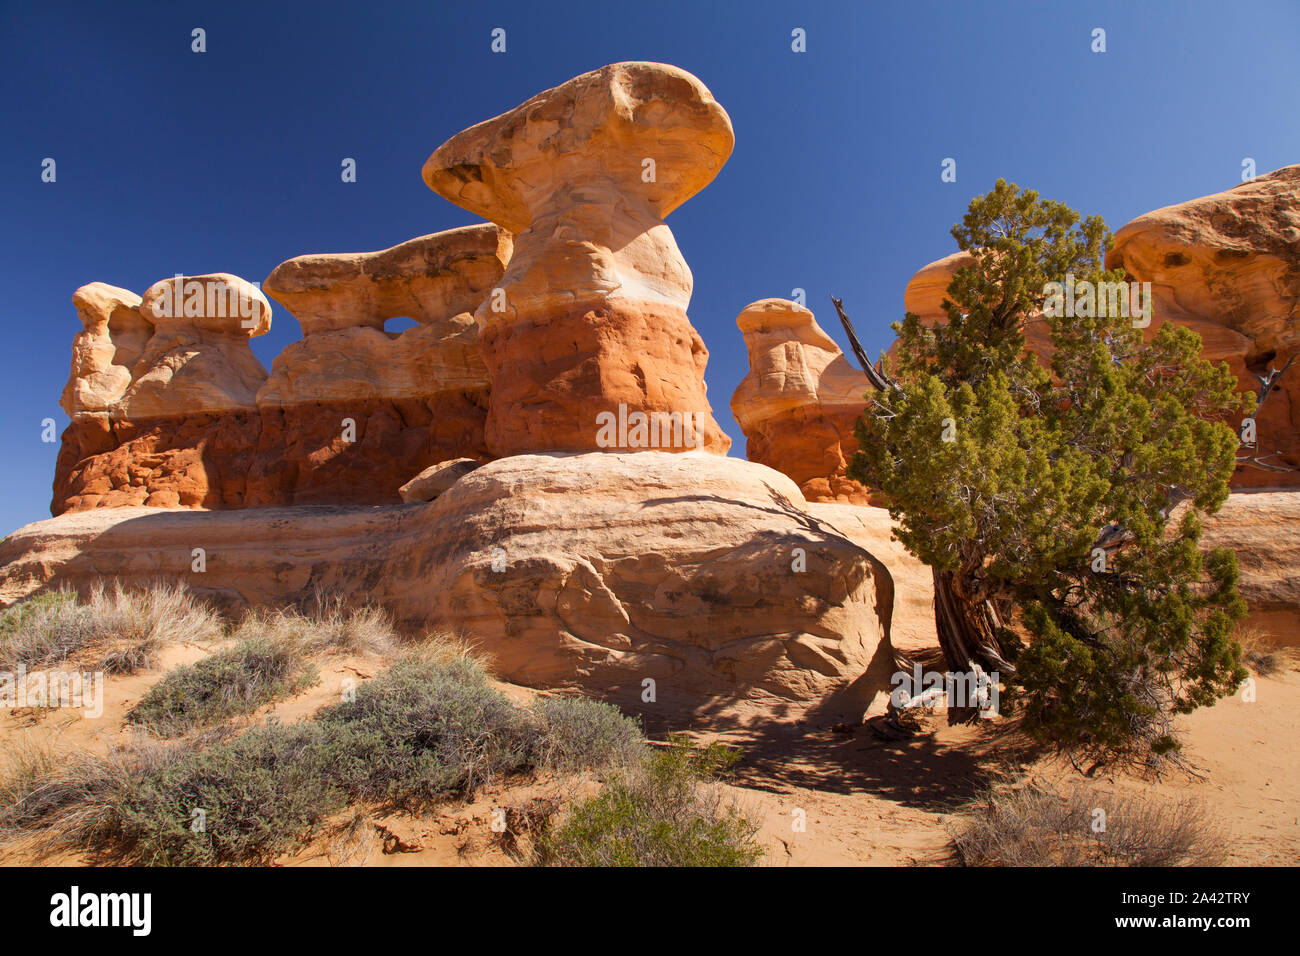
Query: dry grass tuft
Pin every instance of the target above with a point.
(334, 629)
(125, 628)
(1083, 827)
(1262, 654)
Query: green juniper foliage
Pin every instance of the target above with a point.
(1051, 506)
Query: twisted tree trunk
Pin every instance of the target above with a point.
(967, 624)
(968, 629)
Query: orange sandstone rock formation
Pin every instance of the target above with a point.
(590, 317)
(171, 408)
(798, 404)
(436, 479)
(413, 399)
(1263, 528)
(161, 395)
(427, 279)
(1228, 266)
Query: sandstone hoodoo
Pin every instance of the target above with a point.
(171, 408)
(112, 338)
(614, 549)
(413, 398)
(799, 401)
(162, 395)
(1228, 266)
(198, 360)
(591, 313)
(428, 279)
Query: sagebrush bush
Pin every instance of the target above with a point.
(1083, 827)
(429, 727)
(71, 795)
(229, 683)
(665, 812)
(125, 627)
(574, 733)
(426, 727)
(258, 792)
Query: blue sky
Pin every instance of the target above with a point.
(228, 161)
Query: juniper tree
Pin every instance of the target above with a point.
(1059, 505)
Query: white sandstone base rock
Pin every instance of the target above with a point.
(683, 585)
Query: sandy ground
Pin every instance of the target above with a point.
(823, 795)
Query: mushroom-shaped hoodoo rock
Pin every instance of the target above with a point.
(587, 340)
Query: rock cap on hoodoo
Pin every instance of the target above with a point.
(218, 302)
(427, 278)
(1232, 257)
(601, 126)
(98, 303)
(793, 363)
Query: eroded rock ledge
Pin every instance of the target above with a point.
(707, 576)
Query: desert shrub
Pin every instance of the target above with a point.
(428, 726)
(668, 811)
(127, 627)
(226, 684)
(72, 793)
(575, 734)
(1029, 827)
(259, 793)
(256, 794)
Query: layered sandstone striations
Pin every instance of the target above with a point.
(1263, 529)
(800, 400)
(590, 315)
(679, 604)
(405, 400)
(162, 395)
(171, 408)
